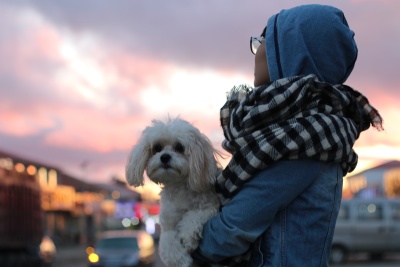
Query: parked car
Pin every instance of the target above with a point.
(366, 225)
(122, 248)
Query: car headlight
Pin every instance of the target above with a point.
(93, 257)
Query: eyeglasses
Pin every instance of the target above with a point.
(255, 43)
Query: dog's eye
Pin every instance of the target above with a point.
(179, 148)
(157, 148)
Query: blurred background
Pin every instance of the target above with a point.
(80, 80)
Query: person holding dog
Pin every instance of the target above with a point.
(291, 139)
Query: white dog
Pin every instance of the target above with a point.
(177, 156)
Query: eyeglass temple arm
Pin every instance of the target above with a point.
(263, 32)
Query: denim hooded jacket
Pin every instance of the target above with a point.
(286, 214)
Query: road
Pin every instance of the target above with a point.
(75, 256)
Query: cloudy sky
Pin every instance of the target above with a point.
(79, 80)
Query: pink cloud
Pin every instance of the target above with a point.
(91, 130)
(13, 122)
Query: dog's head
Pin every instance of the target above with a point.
(173, 152)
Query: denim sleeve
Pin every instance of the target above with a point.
(250, 212)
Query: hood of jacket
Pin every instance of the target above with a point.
(310, 39)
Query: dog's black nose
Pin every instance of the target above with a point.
(165, 158)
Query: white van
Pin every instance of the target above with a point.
(366, 225)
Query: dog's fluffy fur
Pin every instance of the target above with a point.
(177, 156)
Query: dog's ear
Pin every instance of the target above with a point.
(137, 163)
(202, 163)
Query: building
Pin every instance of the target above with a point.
(74, 210)
(380, 181)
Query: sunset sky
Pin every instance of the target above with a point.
(80, 80)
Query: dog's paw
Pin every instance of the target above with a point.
(189, 243)
(189, 236)
(171, 251)
(185, 261)
(179, 260)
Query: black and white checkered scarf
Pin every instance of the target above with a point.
(291, 118)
